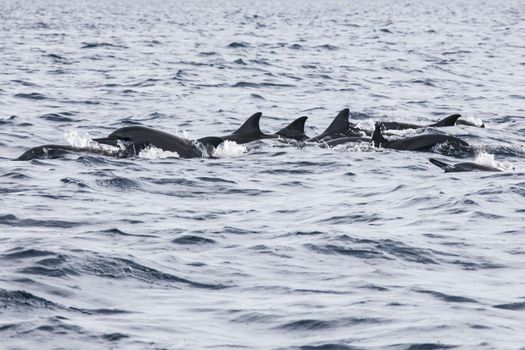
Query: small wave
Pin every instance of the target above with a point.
(215, 179)
(57, 117)
(191, 239)
(326, 346)
(96, 45)
(307, 325)
(406, 252)
(79, 183)
(502, 150)
(119, 268)
(511, 306)
(246, 84)
(207, 53)
(427, 82)
(9, 120)
(100, 311)
(21, 300)
(23, 82)
(58, 59)
(446, 297)
(237, 45)
(21, 253)
(119, 183)
(261, 61)
(253, 317)
(423, 346)
(358, 253)
(117, 232)
(32, 96)
(13, 221)
(114, 336)
(328, 47)
(15, 175)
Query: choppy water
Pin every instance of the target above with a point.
(272, 246)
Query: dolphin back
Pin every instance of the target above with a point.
(448, 121)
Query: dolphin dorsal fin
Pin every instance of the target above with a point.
(448, 121)
(250, 126)
(377, 137)
(340, 124)
(294, 130)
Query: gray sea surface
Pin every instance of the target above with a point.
(272, 244)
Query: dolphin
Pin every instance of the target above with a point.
(451, 120)
(137, 138)
(251, 131)
(461, 167)
(340, 127)
(294, 130)
(468, 123)
(347, 139)
(58, 151)
(422, 143)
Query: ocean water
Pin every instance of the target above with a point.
(268, 245)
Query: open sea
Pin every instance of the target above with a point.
(271, 244)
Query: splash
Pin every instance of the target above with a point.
(152, 152)
(229, 149)
(80, 139)
(470, 118)
(487, 159)
(368, 125)
(361, 147)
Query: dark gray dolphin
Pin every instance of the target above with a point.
(137, 138)
(461, 167)
(340, 127)
(58, 151)
(468, 123)
(249, 131)
(451, 120)
(294, 130)
(344, 140)
(422, 143)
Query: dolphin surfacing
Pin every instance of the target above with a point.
(340, 127)
(421, 143)
(137, 138)
(251, 131)
(59, 151)
(462, 167)
(134, 139)
(294, 130)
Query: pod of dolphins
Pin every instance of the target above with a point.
(130, 141)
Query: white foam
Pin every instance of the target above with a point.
(152, 152)
(472, 119)
(229, 149)
(79, 139)
(368, 124)
(488, 160)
